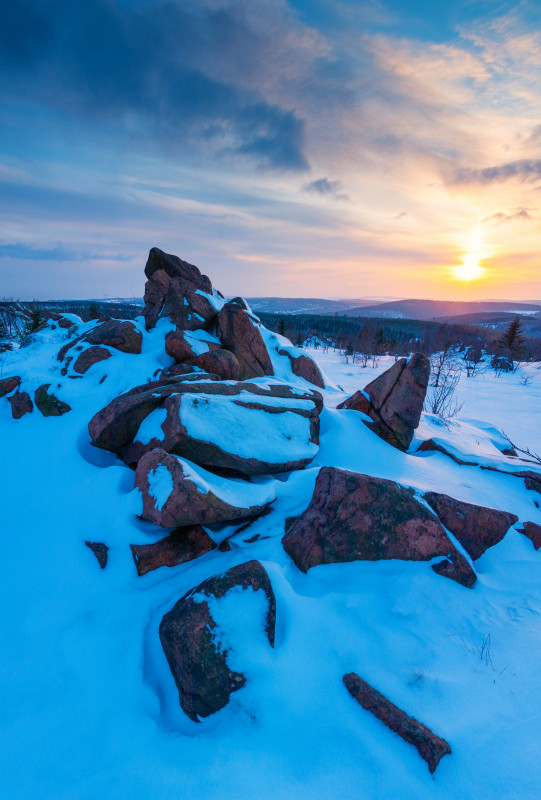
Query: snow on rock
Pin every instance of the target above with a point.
(176, 492)
(218, 362)
(190, 636)
(181, 545)
(121, 335)
(358, 517)
(240, 332)
(303, 366)
(182, 345)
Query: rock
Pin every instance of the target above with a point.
(182, 369)
(48, 403)
(359, 401)
(89, 357)
(239, 332)
(199, 667)
(533, 531)
(304, 367)
(177, 290)
(21, 404)
(219, 362)
(429, 445)
(175, 494)
(396, 400)
(183, 544)
(101, 551)
(183, 345)
(430, 747)
(476, 527)
(8, 385)
(235, 426)
(121, 335)
(457, 568)
(353, 517)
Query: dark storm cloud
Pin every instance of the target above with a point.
(148, 71)
(523, 170)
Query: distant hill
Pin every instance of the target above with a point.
(439, 309)
(306, 305)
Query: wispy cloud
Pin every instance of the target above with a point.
(326, 188)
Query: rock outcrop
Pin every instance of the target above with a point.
(121, 335)
(476, 527)
(238, 330)
(177, 290)
(218, 362)
(183, 544)
(187, 633)
(394, 400)
(48, 403)
(430, 747)
(182, 346)
(175, 494)
(353, 517)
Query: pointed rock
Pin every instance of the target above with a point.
(239, 332)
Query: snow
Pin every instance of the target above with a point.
(89, 707)
(151, 426)
(160, 485)
(199, 341)
(235, 491)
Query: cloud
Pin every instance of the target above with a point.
(326, 188)
(24, 252)
(500, 216)
(525, 170)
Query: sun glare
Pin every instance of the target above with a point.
(471, 269)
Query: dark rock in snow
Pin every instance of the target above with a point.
(304, 367)
(533, 531)
(48, 403)
(8, 385)
(353, 517)
(179, 346)
(187, 633)
(101, 551)
(219, 362)
(183, 544)
(457, 568)
(89, 357)
(396, 400)
(121, 335)
(476, 527)
(430, 747)
(21, 404)
(174, 495)
(177, 290)
(239, 332)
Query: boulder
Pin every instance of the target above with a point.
(177, 290)
(304, 367)
(234, 426)
(188, 637)
(176, 493)
(92, 355)
(238, 331)
(430, 747)
(21, 404)
(533, 531)
(101, 551)
(183, 544)
(8, 385)
(183, 345)
(395, 400)
(48, 403)
(353, 517)
(122, 335)
(476, 527)
(219, 362)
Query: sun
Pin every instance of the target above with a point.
(470, 269)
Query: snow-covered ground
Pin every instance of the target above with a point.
(89, 707)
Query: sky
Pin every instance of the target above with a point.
(304, 149)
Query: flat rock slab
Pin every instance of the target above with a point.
(430, 747)
(183, 544)
(476, 527)
(354, 517)
(199, 667)
(175, 493)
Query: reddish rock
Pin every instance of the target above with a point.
(90, 356)
(122, 335)
(8, 385)
(177, 290)
(533, 531)
(239, 332)
(457, 568)
(396, 400)
(198, 664)
(430, 747)
(353, 517)
(219, 362)
(101, 551)
(174, 495)
(186, 369)
(429, 445)
(64, 322)
(183, 544)
(179, 346)
(304, 367)
(359, 401)
(21, 404)
(476, 527)
(48, 403)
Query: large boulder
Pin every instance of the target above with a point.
(354, 517)
(218, 362)
(188, 636)
(239, 331)
(8, 385)
(21, 404)
(121, 335)
(394, 400)
(303, 366)
(476, 527)
(48, 403)
(183, 345)
(177, 493)
(177, 290)
(92, 355)
(430, 747)
(183, 544)
(240, 426)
